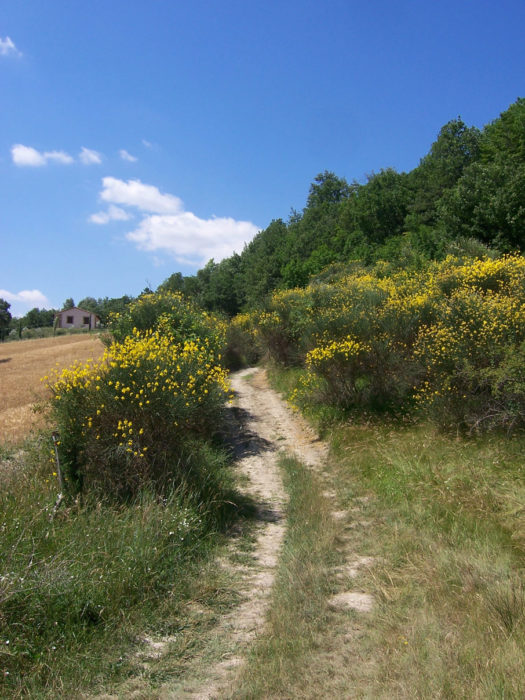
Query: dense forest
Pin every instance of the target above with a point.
(467, 192)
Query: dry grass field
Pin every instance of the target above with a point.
(22, 364)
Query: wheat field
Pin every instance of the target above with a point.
(22, 365)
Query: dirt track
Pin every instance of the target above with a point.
(263, 427)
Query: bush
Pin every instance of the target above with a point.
(130, 418)
(171, 313)
(448, 338)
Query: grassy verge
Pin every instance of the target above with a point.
(88, 598)
(298, 613)
(444, 519)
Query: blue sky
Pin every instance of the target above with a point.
(142, 138)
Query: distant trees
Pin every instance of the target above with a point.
(38, 318)
(104, 306)
(488, 200)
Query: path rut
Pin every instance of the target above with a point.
(265, 426)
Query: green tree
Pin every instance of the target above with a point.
(456, 147)
(68, 304)
(5, 318)
(379, 208)
(488, 203)
(505, 136)
(327, 188)
(261, 262)
(38, 318)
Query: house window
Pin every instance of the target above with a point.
(86, 320)
(69, 319)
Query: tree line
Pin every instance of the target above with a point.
(467, 192)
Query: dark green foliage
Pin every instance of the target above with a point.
(262, 262)
(38, 318)
(470, 186)
(488, 203)
(105, 306)
(5, 317)
(456, 147)
(505, 136)
(378, 209)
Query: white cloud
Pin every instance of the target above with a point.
(192, 240)
(147, 143)
(26, 156)
(166, 227)
(134, 193)
(127, 156)
(89, 157)
(7, 47)
(25, 300)
(113, 213)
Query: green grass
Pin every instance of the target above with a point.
(444, 519)
(448, 526)
(78, 592)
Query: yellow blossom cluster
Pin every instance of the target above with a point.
(341, 350)
(453, 328)
(145, 395)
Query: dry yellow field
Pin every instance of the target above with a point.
(22, 364)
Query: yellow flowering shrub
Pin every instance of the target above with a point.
(446, 338)
(128, 418)
(170, 313)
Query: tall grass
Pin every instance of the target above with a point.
(77, 589)
(443, 519)
(447, 524)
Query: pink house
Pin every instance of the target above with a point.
(76, 318)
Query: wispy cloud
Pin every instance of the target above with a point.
(22, 301)
(127, 156)
(7, 47)
(113, 213)
(59, 157)
(26, 156)
(89, 157)
(147, 143)
(167, 227)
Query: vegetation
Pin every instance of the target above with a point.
(469, 187)
(279, 660)
(81, 591)
(431, 526)
(147, 492)
(447, 339)
(388, 309)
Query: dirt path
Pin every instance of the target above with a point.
(264, 426)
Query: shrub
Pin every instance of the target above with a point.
(448, 338)
(172, 313)
(243, 348)
(130, 418)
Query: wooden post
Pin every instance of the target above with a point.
(55, 437)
